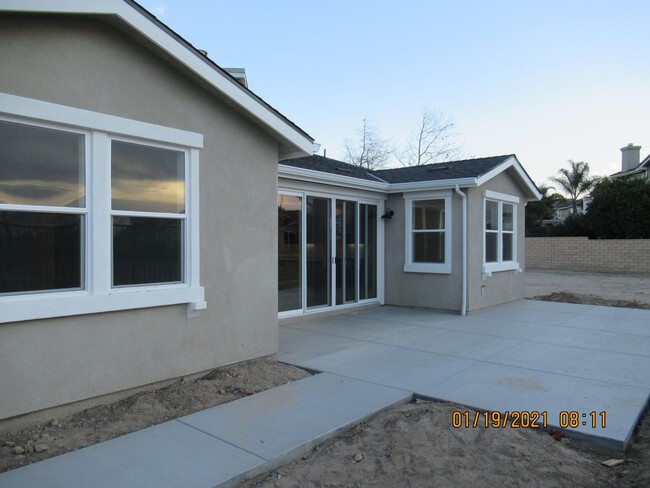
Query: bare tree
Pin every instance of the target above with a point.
(432, 141)
(368, 150)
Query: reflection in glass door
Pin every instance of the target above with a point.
(289, 253)
(367, 251)
(319, 252)
(346, 251)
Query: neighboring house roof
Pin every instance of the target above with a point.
(641, 168)
(293, 141)
(465, 173)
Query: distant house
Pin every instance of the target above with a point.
(631, 166)
(561, 213)
(148, 232)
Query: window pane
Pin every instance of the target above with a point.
(491, 215)
(491, 247)
(40, 251)
(289, 253)
(318, 251)
(147, 179)
(429, 214)
(508, 216)
(146, 250)
(367, 251)
(428, 247)
(41, 166)
(507, 247)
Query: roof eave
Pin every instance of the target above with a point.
(291, 140)
(532, 191)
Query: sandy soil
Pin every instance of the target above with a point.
(141, 410)
(633, 288)
(415, 446)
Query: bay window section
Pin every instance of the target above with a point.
(42, 209)
(500, 232)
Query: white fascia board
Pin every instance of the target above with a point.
(512, 162)
(129, 14)
(429, 185)
(291, 172)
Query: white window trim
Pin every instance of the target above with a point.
(409, 265)
(98, 295)
(500, 265)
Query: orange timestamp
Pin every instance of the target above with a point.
(525, 419)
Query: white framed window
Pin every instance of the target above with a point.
(499, 232)
(97, 213)
(428, 232)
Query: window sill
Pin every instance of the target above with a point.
(442, 268)
(64, 304)
(490, 268)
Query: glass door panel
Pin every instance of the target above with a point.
(319, 254)
(367, 251)
(346, 251)
(289, 253)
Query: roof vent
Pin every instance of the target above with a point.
(345, 170)
(203, 51)
(437, 168)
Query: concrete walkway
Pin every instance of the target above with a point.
(221, 446)
(525, 356)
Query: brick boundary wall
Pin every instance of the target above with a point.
(588, 255)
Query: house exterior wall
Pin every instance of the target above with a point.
(502, 286)
(90, 64)
(430, 290)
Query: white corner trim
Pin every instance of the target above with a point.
(38, 110)
(504, 197)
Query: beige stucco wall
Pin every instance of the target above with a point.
(430, 290)
(90, 64)
(502, 286)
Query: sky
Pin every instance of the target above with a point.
(546, 80)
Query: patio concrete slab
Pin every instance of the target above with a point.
(166, 455)
(282, 423)
(527, 355)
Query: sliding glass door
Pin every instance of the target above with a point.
(319, 252)
(327, 252)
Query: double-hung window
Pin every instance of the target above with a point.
(428, 233)
(500, 232)
(97, 213)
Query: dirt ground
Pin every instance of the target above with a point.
(141, 410)
(412, 445)
(631, 288)
(415, 446)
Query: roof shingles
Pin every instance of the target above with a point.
(451, 170)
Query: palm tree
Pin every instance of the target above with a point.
(575, 181)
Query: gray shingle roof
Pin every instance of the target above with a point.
(332, 166)
(451, 170)
(466, 168)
